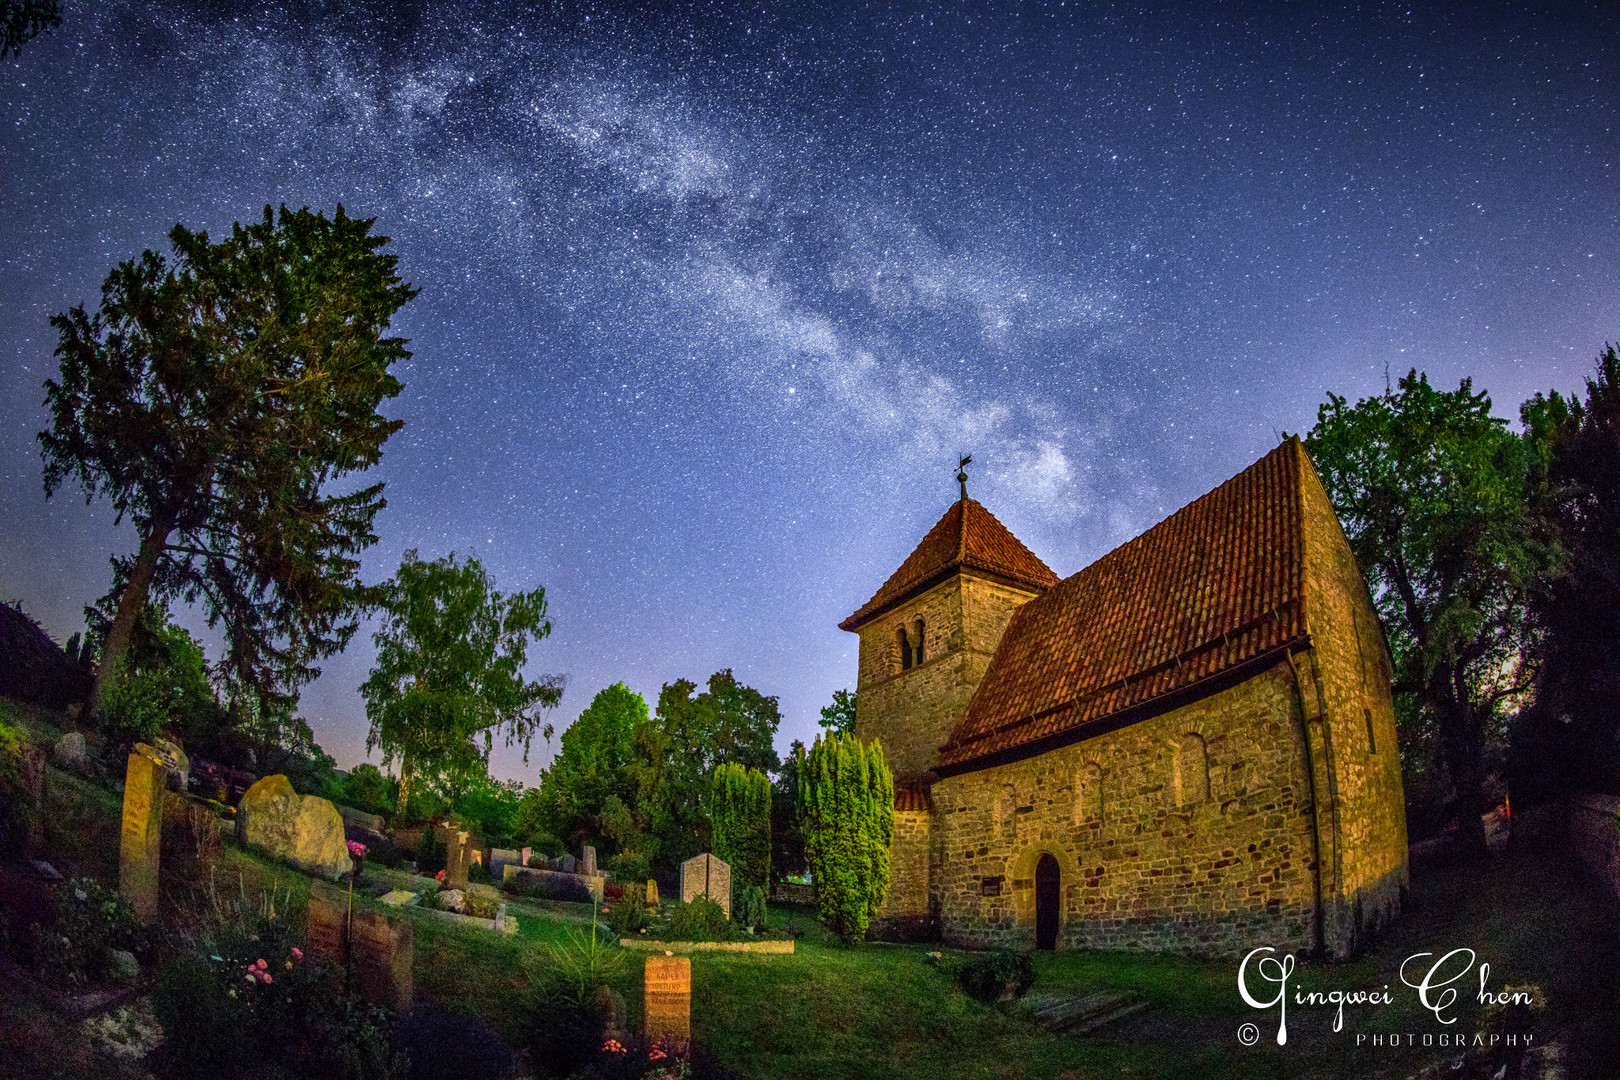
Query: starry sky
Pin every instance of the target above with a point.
(712, 296)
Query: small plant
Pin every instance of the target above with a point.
(579, 966)
(700, 920)
(629, 915)
(430, 852)
(91, 921)
(1002, 975)
(748, 907)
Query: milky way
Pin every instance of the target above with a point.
(712, 298)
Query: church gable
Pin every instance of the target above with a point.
(1213, 591)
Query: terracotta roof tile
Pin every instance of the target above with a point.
(1215, 584)
(912, 796)
(968, 536)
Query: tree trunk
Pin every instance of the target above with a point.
(1465, 757)
(130, 603)
(404, 791)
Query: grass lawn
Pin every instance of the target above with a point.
(887, 1011)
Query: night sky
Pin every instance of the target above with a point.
(712, 298)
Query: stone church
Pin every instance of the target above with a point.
(1188, 745)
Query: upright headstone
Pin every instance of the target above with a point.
(384, 952)
(587, 860)
(326, 923)
(652, 893)
(144, 783)
(33, 775)
(666, 1015)
(457, 860)
(567, 863)
(705, 875)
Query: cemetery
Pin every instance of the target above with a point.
(785, 998)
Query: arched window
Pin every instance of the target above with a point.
(905, 648)
(917, 639)
(1088, 802)
(1191, 770)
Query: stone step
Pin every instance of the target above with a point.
(1080, 1013)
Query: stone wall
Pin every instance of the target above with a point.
(1189, 831)
(914, 711)
(1356, 770)
(906, 915)
(1594, 835)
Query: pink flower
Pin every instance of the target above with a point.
(260, 964)
(656, 1054)
(265, 975)
(298, 954)
(356, 849)
(612, 1046)
(439, 877)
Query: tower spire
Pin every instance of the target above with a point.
(961, 474)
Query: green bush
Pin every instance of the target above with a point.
(90, 922)
(846, 816)
(630, 915)
(998, 976)
(700, 920)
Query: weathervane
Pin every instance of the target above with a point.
(961, 474)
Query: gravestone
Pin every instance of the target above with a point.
(705, 875)
(325, 924)
(33, 776)
(360, 818)
(305, 830)
(666, 1015)
(567, 863)
(652, 893)
(458, 860)
(144, 783)
(587, 860)
(70, 752)
(384, 953)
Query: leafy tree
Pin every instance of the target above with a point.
(740, 818)
(22, 20)
(1432, 492)
(846, 813)
(592, 767)
(449, 672)
(840, 715)
(213, 401)
(1577, 652)
(162, 685)
(365, 787)
(491, 809)
(787, 843)
(728, 722)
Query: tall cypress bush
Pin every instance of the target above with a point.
(740, 817)
(846, 816)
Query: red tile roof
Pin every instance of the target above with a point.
(912, 796)
(967, 537)
(1217, 583)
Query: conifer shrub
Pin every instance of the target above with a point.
(846, 816)
(1002, 975)
(740, 817)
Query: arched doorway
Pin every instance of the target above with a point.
(1048, 895)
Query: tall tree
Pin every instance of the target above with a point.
(1577, 652)
(846, 814)
(591, 774)
(213, 401)
(22, 20)
(840, 715)
(1432, 492)
(740, 817)
(728, 722)
(449, 672)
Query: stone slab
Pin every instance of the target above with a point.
(639, 944)
(400, 898)
(667, 1004)
(383, 950)
(705, 875)
(144, 783)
